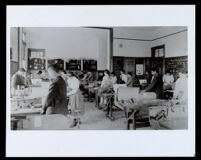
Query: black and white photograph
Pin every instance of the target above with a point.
(100, 78)
(67, 78)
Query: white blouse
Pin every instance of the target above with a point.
(168, 79)
(114, 79)
(124, 78)
(106, 82)
(181, 89)
(73, 84)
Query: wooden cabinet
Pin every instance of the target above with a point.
(130, 65)
(36, 59)
(176, 64)
(148, 64)
(118, 65)
(58, 62)
(89, 65)
(36, 64)
(73, 64)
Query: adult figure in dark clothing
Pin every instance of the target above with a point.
(56, 100)
(156, 84)
(147, 76)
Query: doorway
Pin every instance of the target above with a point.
(158, 58)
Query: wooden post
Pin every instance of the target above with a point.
(134, 127)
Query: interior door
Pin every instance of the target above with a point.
(158, 58)
(130, 65)
(118, 64)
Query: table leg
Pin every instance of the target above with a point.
(134, 122)
(89, 95)
(109, 109)
(128, 124)
(97, 100)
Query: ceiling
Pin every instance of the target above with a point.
(138, 28)
(146, 33)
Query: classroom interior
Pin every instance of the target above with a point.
(89, 52)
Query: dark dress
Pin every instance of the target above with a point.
(56, 100)
(148, 78)
(156, 86)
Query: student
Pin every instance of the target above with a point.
(18, 79)
(168, 80)
(28, 78)
(181, 88)
(147, 76)
(74, 95)
(64, 76)
(123, 76)
(39, 75)
(88, 76)
(56, 100)
(105, 85)
(113, 78)
(82, 75)
(156, 84)
(106, 82)
(136, 81)
(129, 82)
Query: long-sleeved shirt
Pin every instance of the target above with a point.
(106, 82)
(129, 82)
(156, 85)
(124, 78)
(114, 79)
(18, 80)
(168, 79)
(73, 84)
(181, 89)
(56, 96)
(88, 77)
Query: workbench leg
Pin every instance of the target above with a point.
(97, 100)
(128, 123)
(134, 122)
(111, 115)
(89, 95)
(109, 110)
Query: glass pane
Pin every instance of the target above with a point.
(161, 52)
(156, 53)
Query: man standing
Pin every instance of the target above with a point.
(56, 100)
(156, 84)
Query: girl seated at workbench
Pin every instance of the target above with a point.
(106, 85)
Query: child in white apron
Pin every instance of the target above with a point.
(75, 104)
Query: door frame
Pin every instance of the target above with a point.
(110, 29)
(153, 56)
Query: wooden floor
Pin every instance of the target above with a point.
(93, 119)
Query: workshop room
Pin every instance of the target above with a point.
(99, 78)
